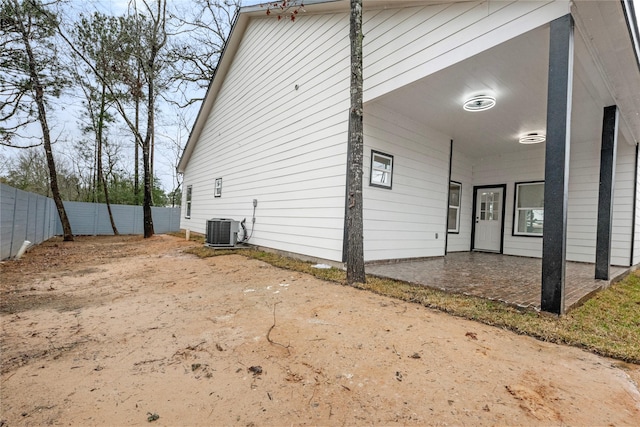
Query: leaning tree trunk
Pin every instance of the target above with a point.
(46, 137)
(101, 179)
(355, 252)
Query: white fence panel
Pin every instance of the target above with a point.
(24, 216)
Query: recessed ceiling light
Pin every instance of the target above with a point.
(479, 103)
(532, 138)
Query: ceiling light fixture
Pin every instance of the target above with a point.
(479, 103)
(532, 138)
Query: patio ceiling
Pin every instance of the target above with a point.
(516, 73)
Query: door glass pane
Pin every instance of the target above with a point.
(490, 206)
(483, 206)
(495, 206)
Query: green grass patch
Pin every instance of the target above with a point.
(608, 324)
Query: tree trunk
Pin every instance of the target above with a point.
(146, 205)
(94, 175)
(136, 167)
(152, 150)
(146, 157)
(46, 137)
(355, 246)
(103, 181)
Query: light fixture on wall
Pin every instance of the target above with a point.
(532, 138)
(479, 103)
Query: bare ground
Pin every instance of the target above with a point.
(121, 331)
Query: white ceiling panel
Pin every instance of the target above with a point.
(516, 73)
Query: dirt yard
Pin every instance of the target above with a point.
(120, 331)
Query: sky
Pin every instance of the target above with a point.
(64, 121)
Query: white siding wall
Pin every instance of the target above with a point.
(509, 168)
(286, 147)
(462, 171)
(582, 213)
(404, 45)
(621, 238)
(283, 146)
(403, 222)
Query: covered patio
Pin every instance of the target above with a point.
(560, 138)
(510, 279)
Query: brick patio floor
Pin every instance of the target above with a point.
(510, 279)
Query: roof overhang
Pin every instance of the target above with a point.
(610, 30)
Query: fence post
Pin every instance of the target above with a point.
(45, 227)
(36, 223)
(26, 227)
(13, 223)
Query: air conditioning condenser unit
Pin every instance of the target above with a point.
(222, 232)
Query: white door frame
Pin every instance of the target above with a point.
(476, 189)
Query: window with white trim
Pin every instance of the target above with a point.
(455, 194)
(381, 169)
(188, 203)
(529, 209)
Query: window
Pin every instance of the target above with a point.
(455, 193)
(529, 209)
(188, 213)
(381, 169)
(217, 189)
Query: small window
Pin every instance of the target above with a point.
(455, 193)
(529, 209)
(188, 213)
(381, 169)
(217, 190)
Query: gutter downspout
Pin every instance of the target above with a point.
(634, 210)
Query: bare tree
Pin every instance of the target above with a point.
(28, 171)
(147, 41)
(104, 42)
(31, 72)
(172, 144)
(287, 9)
(199, 36)
(155, 41)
